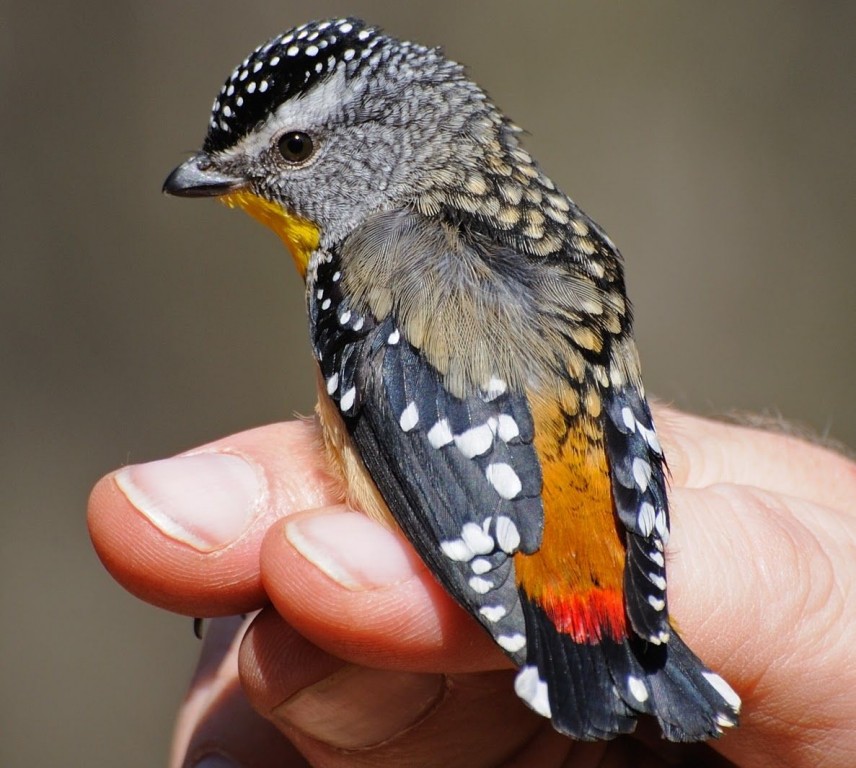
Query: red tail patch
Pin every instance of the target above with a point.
(589, 617)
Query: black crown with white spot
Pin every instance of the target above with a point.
(282, 68)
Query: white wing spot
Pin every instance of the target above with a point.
(504, 480)
(511, 643)
(658, 581)
(456, 550)
(332, 383)
(475, 441)
(506, 428)
(657, 557)
(319, 294)
(337, 276)
(493, 613)
(480, 565)
(409, 418)
(394, 337)
(661, 526)
(641, 473)
(628, 418)
(345, 317)
(348, 398)
(480, 585)
(359, 324)
(645, 520)
(495, 388)
(723, 689)
(479, 542)
(638, 689)
(507, 535)
(650, 437)
(529, 686)
(325, 304)
(312, 50)
(440, 434)
(656, 603)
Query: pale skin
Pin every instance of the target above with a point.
(358, 658)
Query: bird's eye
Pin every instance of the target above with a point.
(296, 147)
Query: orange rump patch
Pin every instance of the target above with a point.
(577, 574)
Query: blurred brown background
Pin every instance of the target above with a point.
(713, 141)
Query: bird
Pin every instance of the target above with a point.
(479, 386)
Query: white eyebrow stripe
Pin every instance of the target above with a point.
(313, 108)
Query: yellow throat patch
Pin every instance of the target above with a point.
(300, 235)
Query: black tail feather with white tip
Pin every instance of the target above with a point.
(597, 690)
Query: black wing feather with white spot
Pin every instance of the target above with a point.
(638, 474)
(460, 476)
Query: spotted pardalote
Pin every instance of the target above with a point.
(478, 381)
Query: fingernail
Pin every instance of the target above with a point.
(216, 761)
(351, 549)
(206, 500)
(358, 707)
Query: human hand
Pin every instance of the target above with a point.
(362, 659)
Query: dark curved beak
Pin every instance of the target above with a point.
(197, 177)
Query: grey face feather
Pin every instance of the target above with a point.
(392, 122)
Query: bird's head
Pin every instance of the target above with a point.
(333, 121)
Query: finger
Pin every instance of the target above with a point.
(342, 714)
(216, 726)
(360, 592)
(761, 586)
(345, 715)
(702, 452)
(185, 533)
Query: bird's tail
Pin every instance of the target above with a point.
(596, 690)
